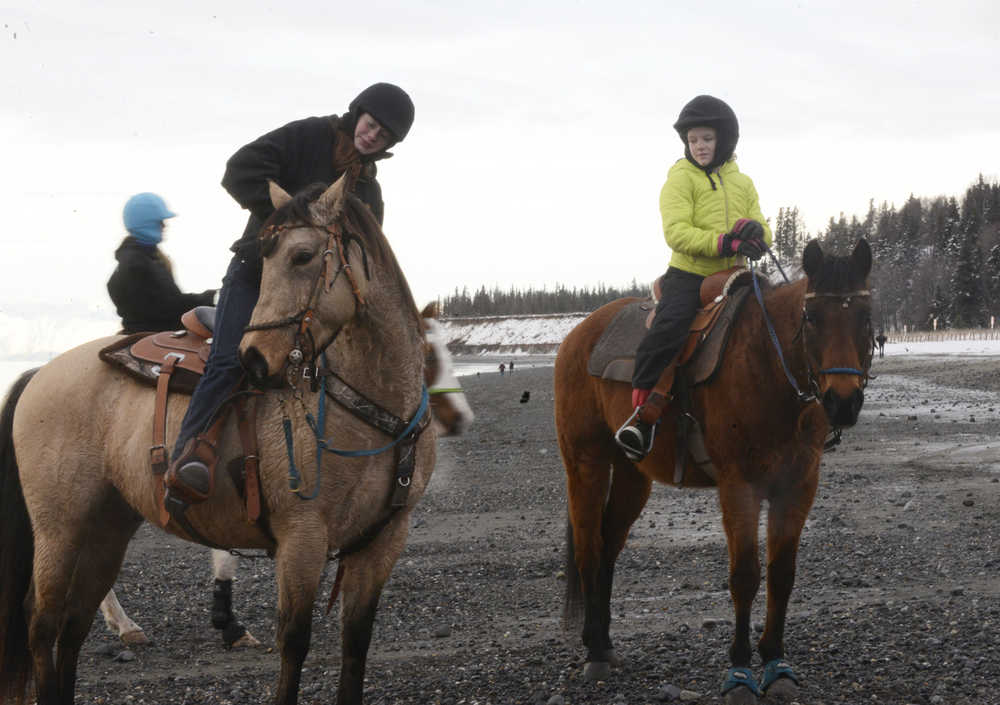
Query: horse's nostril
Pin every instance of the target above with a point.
(255, 365)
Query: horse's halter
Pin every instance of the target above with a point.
(811, 376)
(304, 348)
(845, 300)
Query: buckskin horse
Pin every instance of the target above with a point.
(452, 415)
(794, 370)
(76, 482)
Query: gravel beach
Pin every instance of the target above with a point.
(897, 598)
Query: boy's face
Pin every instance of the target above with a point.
(701, 143)
(369, 136)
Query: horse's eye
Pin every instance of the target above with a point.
(302, 257)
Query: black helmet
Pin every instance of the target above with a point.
(709, 111)
(388, 104)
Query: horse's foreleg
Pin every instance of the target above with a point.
(299, 563)
(740, 514)
(587, 482)
(786, 517)
(234, 634)
(365, 573)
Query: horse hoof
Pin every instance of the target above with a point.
(135, 637)
(247, 641)
(740, 696)
(782, 690)
(597, 671)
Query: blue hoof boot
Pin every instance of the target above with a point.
(741, 676)
(775, 670)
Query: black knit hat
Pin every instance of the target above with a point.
(388, 104)
(709, 111)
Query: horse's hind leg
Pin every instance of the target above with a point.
(629, 492)
(600, 522)
(98, 563)
(234, 634)
(118, 621)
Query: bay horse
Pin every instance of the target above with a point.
(75, 482)
(796, 366)
(452, 415)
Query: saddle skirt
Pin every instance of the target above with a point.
(143, 355)
(722, 296)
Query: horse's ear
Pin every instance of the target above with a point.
(812, 258)
(332, 200)
(861, 258)
(279, 196)
(430, 310)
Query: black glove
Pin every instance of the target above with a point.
(746, 238)
(747, 229)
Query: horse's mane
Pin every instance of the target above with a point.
(297, 210)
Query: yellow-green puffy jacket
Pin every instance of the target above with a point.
(694, 215)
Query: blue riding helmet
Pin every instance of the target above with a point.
(143, 215)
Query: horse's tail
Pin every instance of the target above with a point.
(573, 603)
(17, 547)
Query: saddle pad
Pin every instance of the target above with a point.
(613, 357)
(142, 354)
(616, 346)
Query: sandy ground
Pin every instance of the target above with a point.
(897, 598)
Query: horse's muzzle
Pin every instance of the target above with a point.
(257, 371)
(843, 411)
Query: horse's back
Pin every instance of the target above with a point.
(63, 421)
(583, 403)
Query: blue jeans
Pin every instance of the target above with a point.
(237, 298)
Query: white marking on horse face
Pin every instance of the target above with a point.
(446, 378)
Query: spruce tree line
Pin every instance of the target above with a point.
(935, 259)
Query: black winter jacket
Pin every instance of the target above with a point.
(294, 156)
(144, 292)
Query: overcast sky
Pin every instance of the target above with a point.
(542, 133)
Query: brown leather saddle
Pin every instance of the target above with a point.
(173, 361)
(722, 296)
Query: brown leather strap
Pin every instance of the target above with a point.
(158, 455)
(246, 422)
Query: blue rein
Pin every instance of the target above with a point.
(803, 397)
(318, 425)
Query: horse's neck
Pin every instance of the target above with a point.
(784, 310)
(381, 354)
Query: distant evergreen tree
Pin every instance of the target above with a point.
(933, 259)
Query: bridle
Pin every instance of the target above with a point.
(304, 347)
(812, 380)
(845, 300)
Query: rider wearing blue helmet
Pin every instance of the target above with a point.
(142, 286)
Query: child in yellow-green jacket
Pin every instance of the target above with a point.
(711, 222)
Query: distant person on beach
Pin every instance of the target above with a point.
(299, 154)
(142, 287)
(502, 368)
(880, 339)
(510, 367)
(711, 221)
